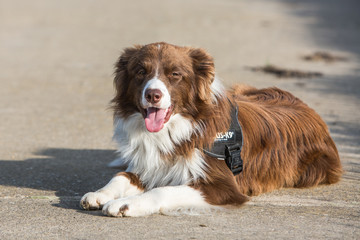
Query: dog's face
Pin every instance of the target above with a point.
(160, 80)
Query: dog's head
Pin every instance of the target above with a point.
(161, 80)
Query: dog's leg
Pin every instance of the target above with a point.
(124, 184)
(325, 169)
(157, 200)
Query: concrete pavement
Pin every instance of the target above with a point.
(57, 59)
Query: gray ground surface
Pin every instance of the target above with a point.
(56, 61)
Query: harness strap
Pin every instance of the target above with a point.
(228, 145)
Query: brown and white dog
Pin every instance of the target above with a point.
(169, 106)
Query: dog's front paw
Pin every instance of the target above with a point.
(116, 208)
(128, 207)
(94, 200)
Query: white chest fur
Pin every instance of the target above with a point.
(143, 151)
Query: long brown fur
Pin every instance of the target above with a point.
(286, 143)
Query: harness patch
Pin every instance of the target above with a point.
(228, 145)
(228, 136)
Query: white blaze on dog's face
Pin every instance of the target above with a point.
(160, 80)
(156, 101)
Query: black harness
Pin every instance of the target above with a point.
(227, 145)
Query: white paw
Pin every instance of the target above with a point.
(129, 207)
(94, 200)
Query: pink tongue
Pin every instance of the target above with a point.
(155, 118)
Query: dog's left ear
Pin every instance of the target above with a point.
(204, 69)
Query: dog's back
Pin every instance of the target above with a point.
(286, 143)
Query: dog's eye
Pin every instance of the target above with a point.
(176, 74)
(141, 72)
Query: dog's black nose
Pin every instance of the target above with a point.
(153, 95)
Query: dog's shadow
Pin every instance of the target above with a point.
(68, 172)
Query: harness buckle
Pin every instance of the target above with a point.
(233, 159)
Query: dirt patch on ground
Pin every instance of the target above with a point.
(285, 73)
(323, 57)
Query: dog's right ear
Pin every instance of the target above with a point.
(123, 60)
(122, 63)
(121, 79)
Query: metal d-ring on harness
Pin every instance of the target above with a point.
(228, 145)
